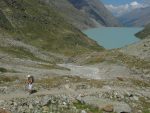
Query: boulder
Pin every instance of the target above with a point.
(108, 108)
(122, 108)
(83, 111)
(45, 100)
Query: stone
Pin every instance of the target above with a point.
(64, 103)
(122, 108)
(30, 106)
(15, 104)
(120, 78)
(108, 108)
(107, 87)
(45, 100)
(79, 98)
(83, 111)
(67, 86)
(135, 98)
(1, 102)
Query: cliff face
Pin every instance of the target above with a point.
(84, 13)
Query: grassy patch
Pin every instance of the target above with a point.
(53, 66)
(95, 60)
(115, 56)
(86, 107)
(145, 104)
(40, 25)
(20, 52)
(3, 70)
(141, 83)
(58, 81)
(4, 79)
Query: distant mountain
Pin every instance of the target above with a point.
(138, 17)
(84, 13)
(38, 25)
(144, 33)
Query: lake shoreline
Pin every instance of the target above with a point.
(113, 37)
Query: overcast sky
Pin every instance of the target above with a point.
(119, 7)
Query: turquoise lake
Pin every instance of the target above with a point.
(113, 37)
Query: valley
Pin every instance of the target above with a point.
(73, 72)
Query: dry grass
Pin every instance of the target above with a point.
(4, 79)
(58, 81)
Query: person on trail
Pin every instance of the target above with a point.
(29, 83)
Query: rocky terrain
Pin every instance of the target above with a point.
(73, 74)
(84, 13)
(99, 82)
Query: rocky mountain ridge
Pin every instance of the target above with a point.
(85, 13)
(137, 18)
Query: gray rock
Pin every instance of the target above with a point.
(1, 102)
(122, 108)
(30, 106)
(80, 99)
(45, 100)
(83, 111)
(135, 98)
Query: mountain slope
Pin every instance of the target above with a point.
(142, 48)
(39, 25)
(96, 10)
(144, 33)
(138, 17)
(84, 13)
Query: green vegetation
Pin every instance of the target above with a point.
(52, 66)
(4, 79)
(59, 81)
(142, 83)
(145, 105)
(40, 25)
(4, 23)
(19, 52)
(144, 33)
(115, 56)
(3, 70)
(87, 108)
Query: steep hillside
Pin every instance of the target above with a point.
(39, 25)
(144, 33)
(84, 13)
(140, 49)
(95, 10)
(73, 15)
(138, 17)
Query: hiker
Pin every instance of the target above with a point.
(29, 82)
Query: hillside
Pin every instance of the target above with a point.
(85, 13)
(145, 33)
(138, 17)
(39, 25)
